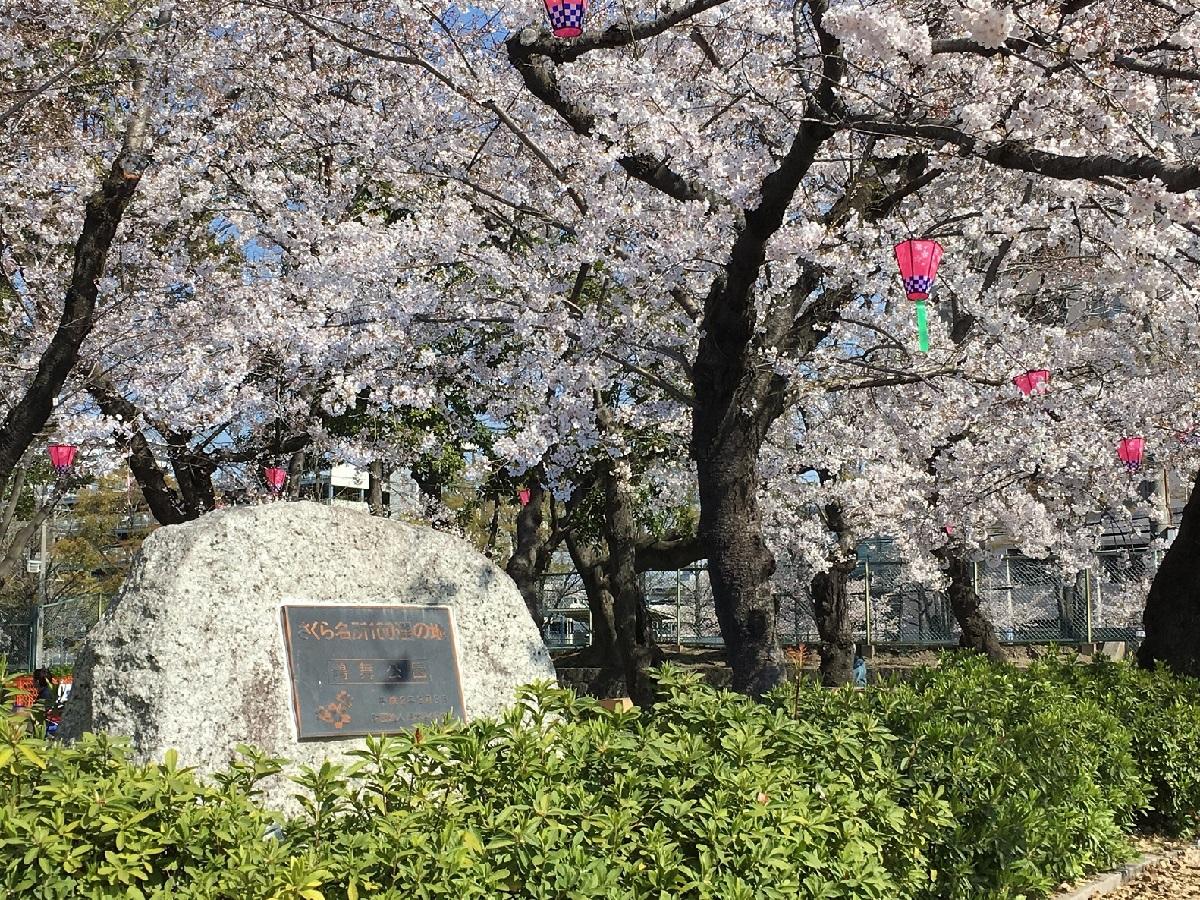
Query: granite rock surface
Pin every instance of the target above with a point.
(191, 654)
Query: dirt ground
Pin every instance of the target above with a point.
(1176, 878)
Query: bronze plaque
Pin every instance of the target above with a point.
(364, 669)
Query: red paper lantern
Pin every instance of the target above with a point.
(61, 457)
(276, 477)
(523, 495)
(566, 17)
(918, 262)
(1035, 381)
(1131, 450)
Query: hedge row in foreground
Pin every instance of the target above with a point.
(970, 782)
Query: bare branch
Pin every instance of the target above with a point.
(1177, 178)
(621, 35)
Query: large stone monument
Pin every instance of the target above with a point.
(296, 627)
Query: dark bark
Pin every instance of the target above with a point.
(669, 554)
(295, 474)
(831, 604)
(831, 610)
(375, 482)
(739, 565)
(591, 563)
(193, 474)
(493, 529)
(193, 494)
(631, 616)
(1177, 178)
(522, 567)
(165, 503)
(104, 211)
(1172, 615)
(10, 506)
(976, 631)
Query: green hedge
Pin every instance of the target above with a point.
(970, 782)
(1161, 713)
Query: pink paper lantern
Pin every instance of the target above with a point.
(276, 478)
(523, 496)
(1131, 450)
(61, 457)
(918, 262)
(566, 17)
(1035, 381)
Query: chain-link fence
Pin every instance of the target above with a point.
(16, 645)
(65, 624)
(1027, 600)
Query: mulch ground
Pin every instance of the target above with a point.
(1175, 878)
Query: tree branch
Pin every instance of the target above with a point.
(621, 35)
(1177, 178)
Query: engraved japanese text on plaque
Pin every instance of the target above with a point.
(368, 669)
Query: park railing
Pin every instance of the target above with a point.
(1028, 600)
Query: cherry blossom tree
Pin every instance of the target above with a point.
(683, 216)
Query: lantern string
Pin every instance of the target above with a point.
(922, 327)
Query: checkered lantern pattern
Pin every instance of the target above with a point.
(918, 262)
(566, 17)
(918, 284)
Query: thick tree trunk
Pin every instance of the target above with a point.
(295, 474)
(831, 610)
(193, 474)
(590, 563)
(104, 210)
(166, 504)
(831, 605)
(631, 616)
(523, 565)
(739, 564)
(1172, 615)
(976, 631)
(375, 482)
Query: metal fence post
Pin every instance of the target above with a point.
(678, 610)
(867, 597)
(1087, 596)
(1008, 587)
